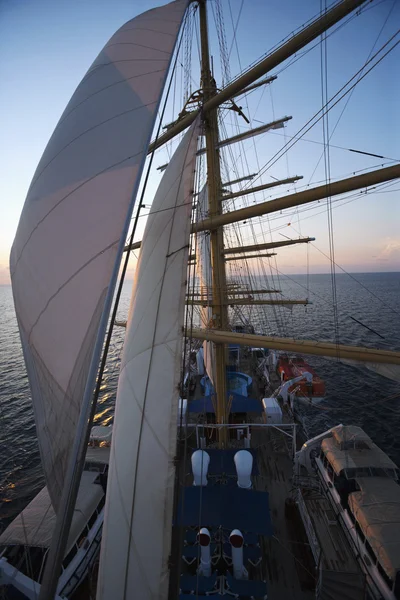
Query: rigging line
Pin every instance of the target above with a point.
(294, 557)
(339, 203)
(235, 27)
(260, 100)
(338, 147)
(246, 266)
(312, 206)
(366, 327)
(351, 93)
(301, 54)
(196, 29)
(219, 20)
(281, 322)
(357, 281)
(297, 209)
(326, 154)
(271, 162)
(332, 106)
(278, 45)
(298, 55)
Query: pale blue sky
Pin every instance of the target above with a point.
(46, 47)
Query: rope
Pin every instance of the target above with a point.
(327, 166)
(351, 94)
(310, 124)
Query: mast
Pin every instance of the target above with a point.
(286, 50)
(219, 306)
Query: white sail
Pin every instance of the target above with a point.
(203, 261)
(73, 219)
(138, 515)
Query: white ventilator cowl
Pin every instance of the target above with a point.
(244, 465)
(200, 461)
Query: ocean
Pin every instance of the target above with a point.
(354, 395)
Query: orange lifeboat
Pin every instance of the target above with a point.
(289, 368)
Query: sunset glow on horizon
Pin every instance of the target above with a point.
(47, 47)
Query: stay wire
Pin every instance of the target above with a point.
(397, 313)
(326, 152)
(126, 261)
(351, 94)
(310, 122)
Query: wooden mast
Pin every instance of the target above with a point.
(219, 305)
(286, 50)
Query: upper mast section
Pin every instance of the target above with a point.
(219, 306)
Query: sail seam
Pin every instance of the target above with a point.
(12, 271)
(135, 44)
(147, 29)
(83, 133)
(68, 281)
(65, 117)
(122, 60)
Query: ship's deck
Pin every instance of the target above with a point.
(287, 564)
(337, 555)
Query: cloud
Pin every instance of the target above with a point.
(390, 250)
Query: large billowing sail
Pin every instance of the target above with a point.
(138, 516)
(73, 219)
(203, 259)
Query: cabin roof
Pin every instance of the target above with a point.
(347, 433)
(342, 452)
(35, 524)
(377, 510)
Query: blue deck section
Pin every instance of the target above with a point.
(246, 588)
(228, 507)
(198, 584)
(240, 404)
(221, 461)
(250, 553)
(195, 551)
(194, 597)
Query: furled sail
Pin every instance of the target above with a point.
(74, 217)
(203, 260)
(138, 517)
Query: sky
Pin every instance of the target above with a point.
(46, 47)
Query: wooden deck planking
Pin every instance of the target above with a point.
(279, 562)
(337, 555)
